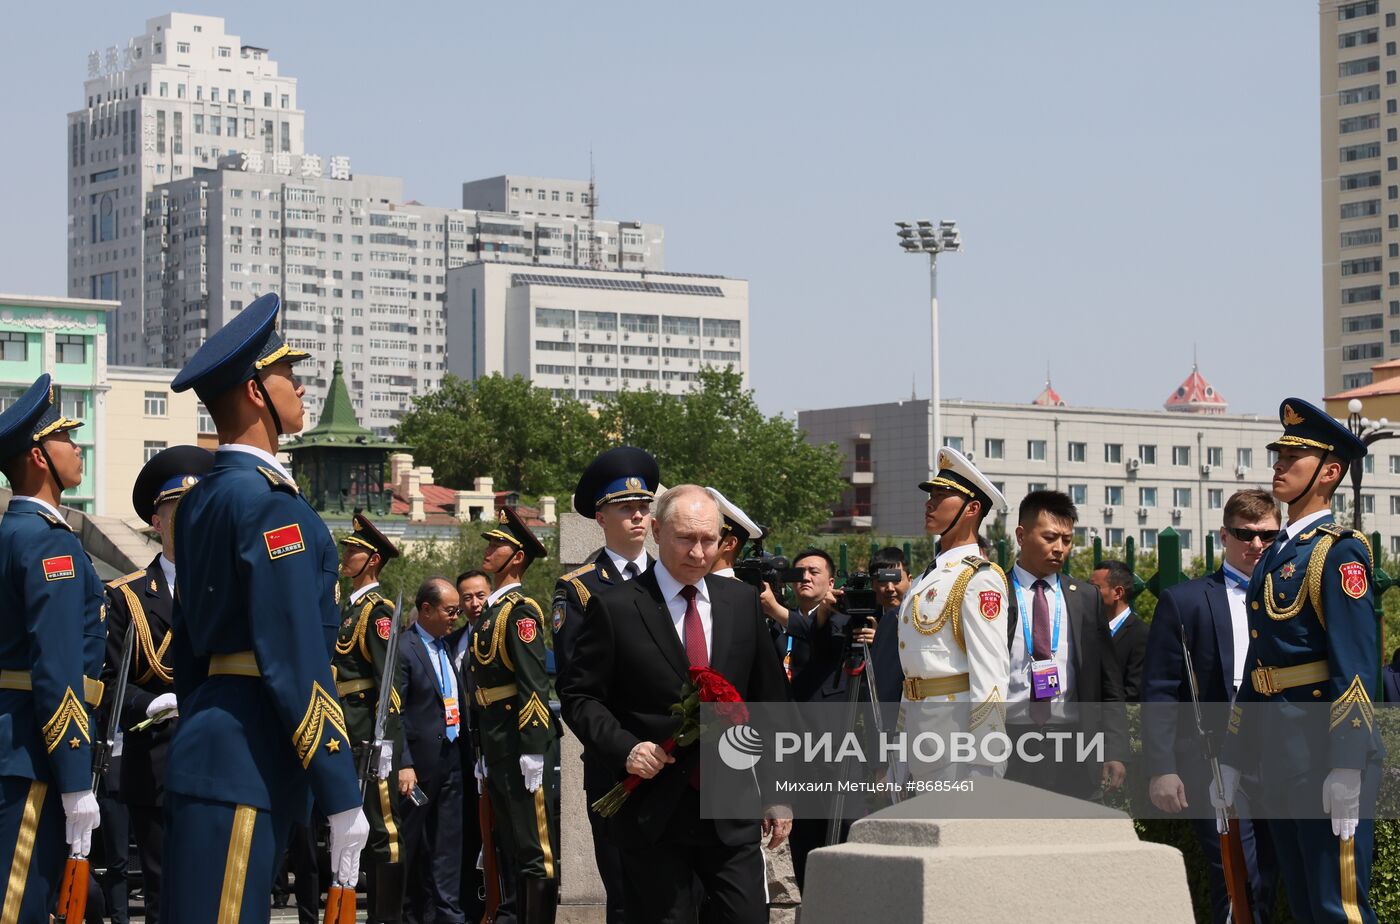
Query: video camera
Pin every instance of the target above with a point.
(762, 568)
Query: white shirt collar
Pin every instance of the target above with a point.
(1117, 621)
(1239, 575)
(958, 553)
(1026, 579)
(267, 457)
(620, 564)
(671, 588)
(167, 567)
(1297, 526)
(42, 503)
(723, 572)
(500, 592)
(355, 595)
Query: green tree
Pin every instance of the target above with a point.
(716, 435)
(523, 437)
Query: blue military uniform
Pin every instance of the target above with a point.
(48, 675)
(261, 732)
(1312, 641)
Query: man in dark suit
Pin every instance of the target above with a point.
(144, 599)
(1115, 583)
(1061, 655)
(432, 761)
(1211, 612)
(633, 653)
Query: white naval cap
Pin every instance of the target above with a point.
(734, 518)
(958, 474)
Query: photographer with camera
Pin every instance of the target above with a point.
(890, 573)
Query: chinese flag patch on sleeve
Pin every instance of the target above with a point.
(283, 541)
(58, 568)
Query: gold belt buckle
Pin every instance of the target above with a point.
(1263, 678)
(480, 699)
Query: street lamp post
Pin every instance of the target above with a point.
(925, 237)
(1368, 431)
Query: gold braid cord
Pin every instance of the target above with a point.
(498, 635)
(357, 636)
(983, 710)
(951, 608)
(534, 714)
(1312, 586)
(323, 708)
(70, 711)
(583, 594)
(1354, 698)
(147, 648)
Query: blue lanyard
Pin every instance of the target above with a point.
(1114, 631)
(440, 664)
(1026, 623)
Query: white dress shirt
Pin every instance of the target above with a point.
(620, 564)
(1019, 686)
(42, 503)
(167, 567)
(675, 603)
(267, 457)
(723, 572)
(355, 595)
(1297, 526)
(498, 593)
(447, 683)
(1235, 592)
(1116, 621)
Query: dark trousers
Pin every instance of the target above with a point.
(473, 886)
(1327, 879)
(111, 842)
(31, 846)
(1066, 777)
(433, 845)
(1258, 859)
(300, 860)
(148, 830)
(609, 860)
(221, 859)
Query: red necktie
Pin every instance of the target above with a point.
(693, 631)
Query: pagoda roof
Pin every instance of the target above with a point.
(1048, 397)
(1195, 393)
(338, 425)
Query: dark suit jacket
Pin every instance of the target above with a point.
(1097, 677)
(627, 671)
(1130, 647)
(424, 729)
(1170, 742)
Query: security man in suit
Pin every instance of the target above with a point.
(1312, 631)
(52, 637)
(363, 643)
(616, 489)
(519, 736)
(144, 599)
(952, 623)
(261, 732)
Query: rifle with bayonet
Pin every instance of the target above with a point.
(340, 897)
(1241, 898)
(73, 889)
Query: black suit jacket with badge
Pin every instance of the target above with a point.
(361, 645)
(510, 686)
(142, 599)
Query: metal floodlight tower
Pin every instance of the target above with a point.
(926, 237)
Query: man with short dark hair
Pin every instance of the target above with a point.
(1061, 653)
(884, 641)
(473, 587)
(1129, 632)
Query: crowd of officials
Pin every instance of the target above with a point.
(267, 731)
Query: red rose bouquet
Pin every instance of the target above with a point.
(704, 686)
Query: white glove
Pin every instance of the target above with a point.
(165, 702)
(1341, 798)
(386, 760)
(349, 834)
(1230, 780)
(480, 772)
(532, 769)
(81, 818)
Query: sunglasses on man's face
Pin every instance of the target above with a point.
(1249, 535)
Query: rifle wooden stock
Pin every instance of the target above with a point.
(490, 874)
(73, 892)
(340, 905)
(1236, 872)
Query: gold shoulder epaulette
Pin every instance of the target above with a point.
(374, 596)
(126, 579)
(52, 520)
(277, 480)
(579, 572)
(975, 561)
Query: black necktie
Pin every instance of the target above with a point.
(631, 571)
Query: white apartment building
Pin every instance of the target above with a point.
(1129, 472)
(590, 333)
(168, 101)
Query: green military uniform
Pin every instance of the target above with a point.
(510, 705)
(361, 646)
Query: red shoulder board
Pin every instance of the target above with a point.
(58, 568)
(989, 602)
(526, 628)
(1353, 579)
(284, 540)
(382, 625)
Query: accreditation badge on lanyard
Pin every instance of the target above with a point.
(1044, 674)
(451, 715)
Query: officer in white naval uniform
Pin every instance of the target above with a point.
(952, 624)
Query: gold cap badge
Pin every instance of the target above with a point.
(1291, 418)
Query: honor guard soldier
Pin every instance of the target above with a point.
(616, 490)
(1312, 629)
(365, 620)
(261, 732)
(519, 736)
(52, 637)
(952, 623)
(144, 600)
(735, 532)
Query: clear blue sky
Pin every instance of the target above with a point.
(1130, 178)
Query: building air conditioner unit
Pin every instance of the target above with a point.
(1108, 513)
(1241, 471)
(1206, 469)
(1142, 511)
(1134, 464)
(1176, 513)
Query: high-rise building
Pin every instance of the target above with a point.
(1360, 188)
(170, 101)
